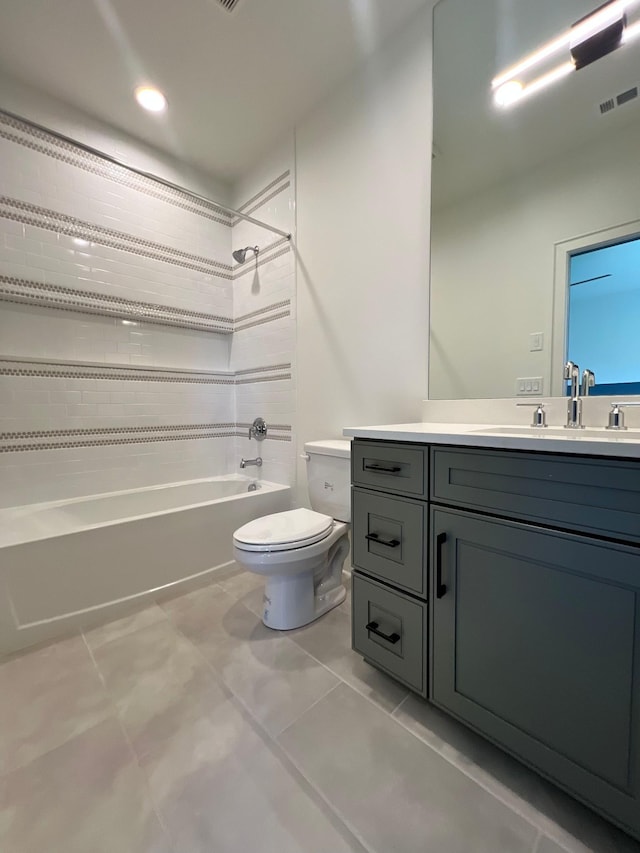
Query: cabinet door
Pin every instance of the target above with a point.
(536, 643)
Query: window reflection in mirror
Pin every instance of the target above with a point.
(604, 309)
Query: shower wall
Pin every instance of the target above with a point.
(264, 309)
(117, 316)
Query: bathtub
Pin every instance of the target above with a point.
(70, 564)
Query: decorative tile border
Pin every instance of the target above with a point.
(44, 295)
(271, 190)
(52, 146)
(270, 253)
(62, 223)
(79, 370)
(20, 442)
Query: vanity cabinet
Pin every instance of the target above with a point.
(389, 544)
(531, 608)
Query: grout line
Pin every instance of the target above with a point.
(496, 794)
(270, 739)
(536, 843)
(340, 683)
(400, 704)
(489, 790)
(134, 754)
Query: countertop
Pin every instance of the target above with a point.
(553, 439)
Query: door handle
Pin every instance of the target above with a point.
(441, 588)
(388, 543)
(380, 469)
(390, 638)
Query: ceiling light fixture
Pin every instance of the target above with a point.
(151, 99)
(587, 40)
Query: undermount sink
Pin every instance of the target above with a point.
(560, 432)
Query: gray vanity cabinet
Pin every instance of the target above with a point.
(389, 543)
(534, 643)
(520, 613)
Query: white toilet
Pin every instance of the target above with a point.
(301, 552)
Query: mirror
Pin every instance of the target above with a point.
(523, 196)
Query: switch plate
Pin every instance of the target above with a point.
(529, 386)
(536, 341)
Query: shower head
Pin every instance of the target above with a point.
(240, 254)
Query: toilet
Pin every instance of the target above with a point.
(301, 552)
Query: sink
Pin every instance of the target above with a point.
(559, 432)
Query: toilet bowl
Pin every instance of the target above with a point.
(301, 552)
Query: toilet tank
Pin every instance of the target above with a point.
(329, 477)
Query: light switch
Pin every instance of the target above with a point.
(536, 341)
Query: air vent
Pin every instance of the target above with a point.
(618, 100)
(629, 95)
(229, 5)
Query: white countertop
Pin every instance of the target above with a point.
(553, 439)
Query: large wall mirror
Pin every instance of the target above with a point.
(535, 197)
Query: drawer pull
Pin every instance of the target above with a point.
(441, 588)
(388, 543)
(390, 638)
(380, 469)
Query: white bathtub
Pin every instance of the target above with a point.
(74, 563)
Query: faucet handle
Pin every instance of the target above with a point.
(539, 416)
(616, 415)
(571, 369)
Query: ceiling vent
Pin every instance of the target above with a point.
(228, 5)
(618, 100)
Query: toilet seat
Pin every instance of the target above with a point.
(283, 531)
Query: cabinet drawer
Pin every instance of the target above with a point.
(390, 630)
(593, 495)
(398, 468)
(388, 538)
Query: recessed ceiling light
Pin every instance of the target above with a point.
(151, 99)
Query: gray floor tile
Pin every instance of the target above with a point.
(196, 612)
(557, 814)
(272, 676)
(87, 795)
(47, 697)
(547, 845)
(395, 791)
(158, 681)
(329, 641)
(220, 787)
(97, 637)
(244, 582)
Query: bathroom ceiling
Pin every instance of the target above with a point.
(235, 81)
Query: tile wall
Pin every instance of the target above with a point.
(264, 310)
(133, 350)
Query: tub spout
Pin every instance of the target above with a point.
(244, 463)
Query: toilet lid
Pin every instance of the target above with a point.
(283, 530)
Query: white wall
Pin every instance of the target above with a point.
(493, 266)
(363, 182)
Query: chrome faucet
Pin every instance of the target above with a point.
(244, 463)
(588, 381)
(574, 404)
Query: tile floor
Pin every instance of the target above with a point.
(190, 727)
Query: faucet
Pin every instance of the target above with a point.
(257, 462)
(588, 381)
(574, 404)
